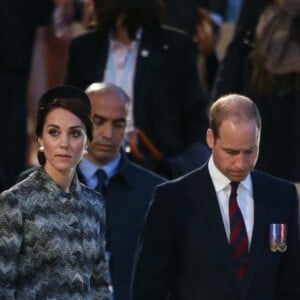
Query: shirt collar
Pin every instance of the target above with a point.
(220, 181)
(88, 168)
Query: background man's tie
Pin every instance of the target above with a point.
(238, 235)
(101, 177)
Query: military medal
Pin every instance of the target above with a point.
(282, 241)
(274, 246)
(278, 234)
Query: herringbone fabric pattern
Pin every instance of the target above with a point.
(101, 177)
(52, 242)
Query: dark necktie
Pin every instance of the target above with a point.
(101, 177)
(238, 235)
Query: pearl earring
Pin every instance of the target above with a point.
(41, 149)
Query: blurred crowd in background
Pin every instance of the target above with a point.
(236, 43)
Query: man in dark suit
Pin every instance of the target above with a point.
(205, 240)
(156, 66)
(128, 187)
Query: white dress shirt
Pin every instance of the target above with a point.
(120, 69)
(244, 198)
(88, 169)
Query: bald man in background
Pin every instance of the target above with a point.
(128, 187)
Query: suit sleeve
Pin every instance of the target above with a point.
(288, 285)
(10, 244)
(153, 262)
(194, 117)
(194, 102)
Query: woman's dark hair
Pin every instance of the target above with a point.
(75, 106)
(144, 13)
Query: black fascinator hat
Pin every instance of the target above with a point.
(63, 92)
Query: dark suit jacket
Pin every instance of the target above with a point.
(168, 103)
(184, 252)
(127, 198)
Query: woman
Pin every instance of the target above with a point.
(51, 226)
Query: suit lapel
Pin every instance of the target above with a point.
(102, 55)
(258, 236)
(208, 214)
(148, 64)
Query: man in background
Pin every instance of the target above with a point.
(126, 186)
(132, 49)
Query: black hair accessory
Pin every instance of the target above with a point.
(63, 92)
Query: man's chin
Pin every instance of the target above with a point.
(237, 176)
(103, 148)
(104, 156)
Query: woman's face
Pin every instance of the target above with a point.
(64, 140)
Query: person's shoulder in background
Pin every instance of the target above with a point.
(140, 173)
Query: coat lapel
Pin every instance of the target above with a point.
(102, 55)
(148, 64)
(258, 236)
(208, 215)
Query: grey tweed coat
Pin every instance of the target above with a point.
(52, 242)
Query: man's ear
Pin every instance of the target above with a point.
(210, 139)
